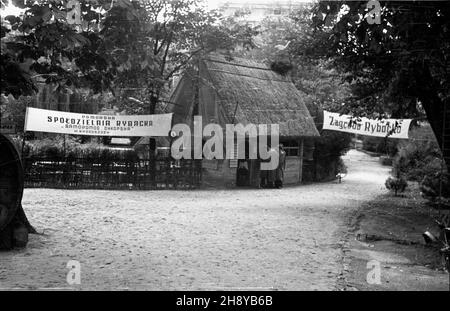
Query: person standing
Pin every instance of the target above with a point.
(266, 175)
(263, 175)
(279, 171)
(242, 174)
(272, 174)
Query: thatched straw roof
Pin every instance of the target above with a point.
(243, 91)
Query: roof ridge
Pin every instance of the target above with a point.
(287, 80)
(263, 66)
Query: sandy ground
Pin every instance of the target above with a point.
(289, 239)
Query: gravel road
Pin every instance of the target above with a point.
(288, 239)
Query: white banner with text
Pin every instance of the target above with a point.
(50, 121)
(392, 128)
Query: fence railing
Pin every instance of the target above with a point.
(81, 173)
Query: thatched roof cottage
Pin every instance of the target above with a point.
(232, 91)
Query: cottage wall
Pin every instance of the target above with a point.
(292, 171)
(218, 173)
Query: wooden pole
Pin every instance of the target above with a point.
(23, 147)
(300, 155)
(64, 147)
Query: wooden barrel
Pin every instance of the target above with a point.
(11, 181)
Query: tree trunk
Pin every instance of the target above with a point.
(152, 143)
(435, 109)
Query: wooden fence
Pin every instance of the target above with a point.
(80, 173)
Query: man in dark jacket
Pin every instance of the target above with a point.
(279, 171)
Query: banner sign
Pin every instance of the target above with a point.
(7, 126)
(392, 128)
(50, 121)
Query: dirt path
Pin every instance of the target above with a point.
(388, 233)
(289, 239)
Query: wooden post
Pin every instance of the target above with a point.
(23, 147)
(64, 147)
(300, 155)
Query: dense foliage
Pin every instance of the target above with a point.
(393, 64)
(420, 159)
(418, 156)
(396, 68)
(127, 47)
(435, 184)
(14, 110)
(380, 145)
(73, 148)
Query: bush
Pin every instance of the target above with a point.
(327, 154)
(396, 184)
(380, 145)
(431, 185)
(54, 148)
(419, 156)
(328, 148)
(14, 109)
(420, 159)
(332, 144)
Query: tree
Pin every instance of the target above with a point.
(38, 43)
(323, 86)
(128, 47)
(396, 67)
(44, 42)
(162, 40)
